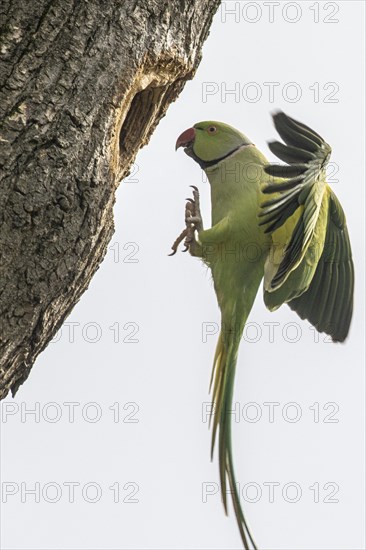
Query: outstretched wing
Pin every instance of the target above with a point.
(312, 268)
(299, 193)
(328, 302)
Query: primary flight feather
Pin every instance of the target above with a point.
(277, 222)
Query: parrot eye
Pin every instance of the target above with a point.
(212, 129)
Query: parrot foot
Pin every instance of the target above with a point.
(193, 221)
(196, 217)
(177, 242)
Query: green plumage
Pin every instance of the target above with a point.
(277, 222)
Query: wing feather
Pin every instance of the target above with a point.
(304, 185)
(328, 302)
(314, 273)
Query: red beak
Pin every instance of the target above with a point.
(186, 138)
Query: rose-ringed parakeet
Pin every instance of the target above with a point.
(280, 222)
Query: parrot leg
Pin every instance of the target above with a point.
(196, 218)
(193, 221)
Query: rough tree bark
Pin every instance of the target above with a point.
(82, 87)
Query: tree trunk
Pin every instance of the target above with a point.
(83, 85)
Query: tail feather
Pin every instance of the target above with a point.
(217, 386)
(222, 386)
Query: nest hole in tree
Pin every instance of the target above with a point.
(141, 114)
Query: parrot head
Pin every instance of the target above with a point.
(209, 142)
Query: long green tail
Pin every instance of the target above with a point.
(222, 380)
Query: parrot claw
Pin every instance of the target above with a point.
(177, 242)
(193, 222)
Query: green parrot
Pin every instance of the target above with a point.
(277, 222)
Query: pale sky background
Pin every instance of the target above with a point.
(155, 361)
